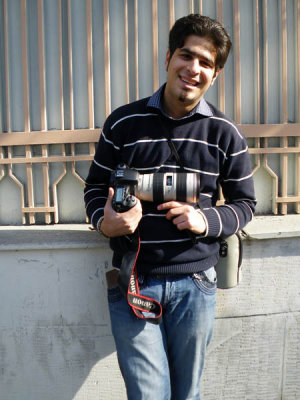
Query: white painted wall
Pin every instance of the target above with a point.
(55, 338)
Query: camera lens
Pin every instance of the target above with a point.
(162, 187)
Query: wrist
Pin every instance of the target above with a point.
(204, 224)
(100, 229)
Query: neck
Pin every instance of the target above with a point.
(175, 110)
(176, 107)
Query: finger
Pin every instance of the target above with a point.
(182, 225)
(178, 220)
(173, 212)
(169, 204)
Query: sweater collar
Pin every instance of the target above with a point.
(201, 108)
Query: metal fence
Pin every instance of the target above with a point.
(66, 64)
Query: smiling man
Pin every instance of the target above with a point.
(191, 71)
(175, 130)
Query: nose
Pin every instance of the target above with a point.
(194, 66)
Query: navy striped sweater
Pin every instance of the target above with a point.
(209, 144)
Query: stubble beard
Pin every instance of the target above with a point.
(183, 97)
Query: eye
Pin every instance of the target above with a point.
(185, 56)
(206, 64)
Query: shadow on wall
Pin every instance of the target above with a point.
(55, 338)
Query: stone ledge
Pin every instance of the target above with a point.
(60, 236)
(274, 227)
(63, 236)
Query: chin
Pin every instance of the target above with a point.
(185, 98)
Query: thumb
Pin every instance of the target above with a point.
(110, 194)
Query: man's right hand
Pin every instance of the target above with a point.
(119, 224)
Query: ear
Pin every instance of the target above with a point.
(167, 60)
(217, 71)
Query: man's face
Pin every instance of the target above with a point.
(190, 72)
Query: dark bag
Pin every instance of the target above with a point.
(228, 268)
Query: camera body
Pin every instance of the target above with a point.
(124, 181)
(158, 187)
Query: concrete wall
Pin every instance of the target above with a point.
(55, 338)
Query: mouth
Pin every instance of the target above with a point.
(188, 82)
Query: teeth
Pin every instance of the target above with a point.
(189, 83)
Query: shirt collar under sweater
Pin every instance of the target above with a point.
(201, 108)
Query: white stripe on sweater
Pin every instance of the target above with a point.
(238, 179)
(131, 116)
(229, 123)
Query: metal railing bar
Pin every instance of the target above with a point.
(298, 60)
(92, 135)
(54, 187)
(237, 62)
(297, 183)
(257, 156)
(50, 137)
(30, 191)
(270, 130)
(41, 57)
(221, 77)
(136, 49)
(257, 66)
(298, 176)
(6, 67)
(200, 7)
(274, 178)
(39, 159)
(70, 57)
(18, 183)
(39, 210)
(126, 43)
(43, 111)
(288, 199)
(74, 172)
(30, 184)
(171, 13)
(46, 182)
(266, 62)
(61, 90)
(107, 93)
(192, 6)
(284, 172)
(155, 45)
(2, 171)
(25, 67)
(60, 158)
(284, 61)
(274, 150)
(89, 55)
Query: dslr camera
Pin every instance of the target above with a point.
(158, 187)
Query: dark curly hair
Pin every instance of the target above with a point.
(200, 25)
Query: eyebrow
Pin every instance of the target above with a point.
(196, 54)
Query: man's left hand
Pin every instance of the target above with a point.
(184, 216)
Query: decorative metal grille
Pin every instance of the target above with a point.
(78, 60)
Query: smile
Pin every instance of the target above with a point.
(189, 82)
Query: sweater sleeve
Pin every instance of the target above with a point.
(97, 181)
(237, 186)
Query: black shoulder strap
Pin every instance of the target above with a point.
(179, 162)
(175, 153)
(167, 134)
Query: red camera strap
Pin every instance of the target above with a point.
(128, 283)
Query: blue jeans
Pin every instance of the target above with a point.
(163, 362)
